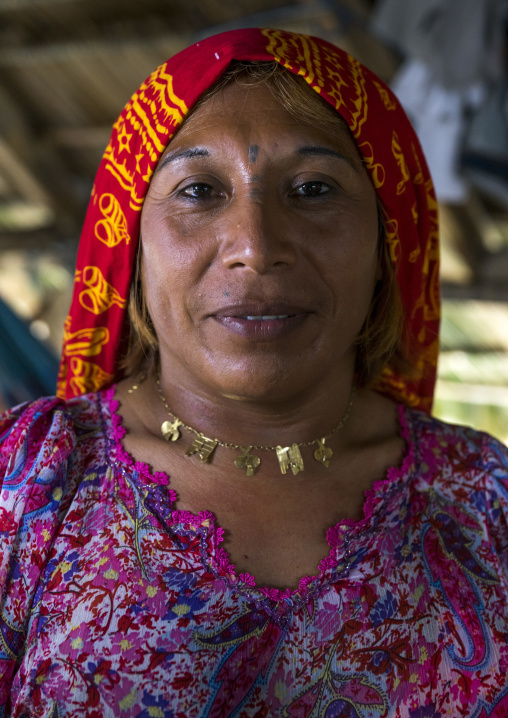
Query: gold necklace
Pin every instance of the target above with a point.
(289, 457)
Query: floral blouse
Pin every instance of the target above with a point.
(114, 603)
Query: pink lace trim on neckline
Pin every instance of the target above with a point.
(335, 535)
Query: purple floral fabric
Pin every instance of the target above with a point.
(113, 602)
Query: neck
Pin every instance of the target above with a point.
(372, 419)
(289, 457)
(244, 421)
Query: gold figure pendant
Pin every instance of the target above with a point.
(290, 458)
(323, 453)
(247, 462)
(170, 430)
(202, 446)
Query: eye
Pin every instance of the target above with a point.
(311, 189)
(197, 190)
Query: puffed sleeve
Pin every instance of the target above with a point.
(35, 443)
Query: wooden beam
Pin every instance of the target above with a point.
(49, 239)
(79, 137)
(21, 178)
(23, 5)
(167, 44)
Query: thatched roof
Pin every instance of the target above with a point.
(67, 67)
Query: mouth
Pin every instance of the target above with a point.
(266, 317)
(262, 322)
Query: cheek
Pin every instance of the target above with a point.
(173, 267)
(167, 245)
(350, 248)
(351, 268)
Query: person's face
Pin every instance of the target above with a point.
(259, 237)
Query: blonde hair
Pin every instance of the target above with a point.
(380, 339)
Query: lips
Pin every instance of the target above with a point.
(262, 320)
(268, 317)
(261, 309)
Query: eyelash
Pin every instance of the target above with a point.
(184, 191)
(322, 185)
(207, 189)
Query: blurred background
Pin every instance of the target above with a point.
(67, 67)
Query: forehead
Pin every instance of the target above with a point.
(241, 105)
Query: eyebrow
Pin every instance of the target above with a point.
(316, 150)
(202, 152)
(183, 154)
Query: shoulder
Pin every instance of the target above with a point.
(466, 465)
(45, 428)
(461, 481)
(39, 441)
(455, 443)
(45, 447)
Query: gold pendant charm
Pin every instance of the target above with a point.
(247, 462)
(170, 430)
(202, 446)
(289, 458)
(323, 453)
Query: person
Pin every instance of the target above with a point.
(239, 505)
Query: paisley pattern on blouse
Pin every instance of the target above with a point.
(113, 603)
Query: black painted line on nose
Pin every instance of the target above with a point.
(253, 152)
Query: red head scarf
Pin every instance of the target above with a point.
(96, 325)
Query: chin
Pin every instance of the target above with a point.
(271, 384)
(267, 391)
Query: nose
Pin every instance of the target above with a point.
(257, 237)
